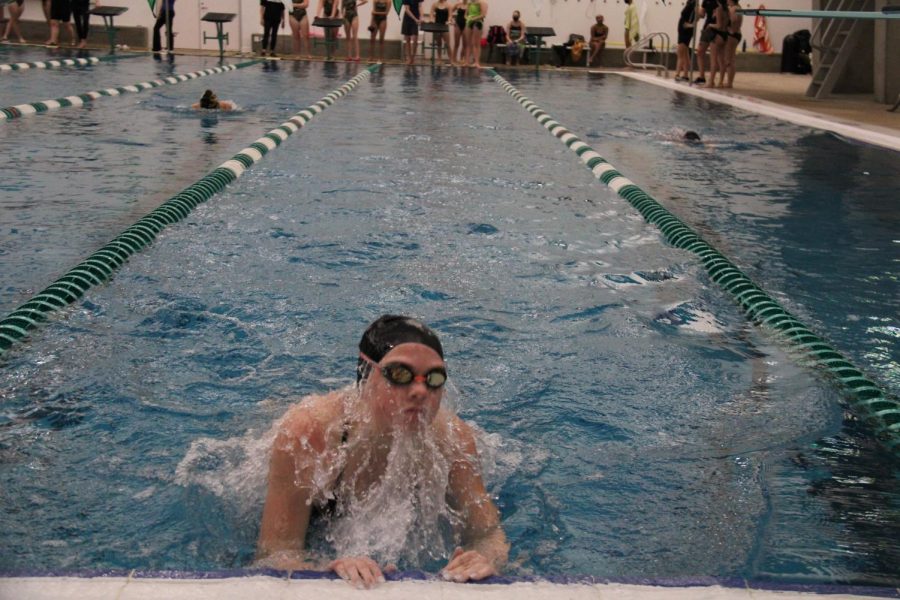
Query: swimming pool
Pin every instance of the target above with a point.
(636, 425)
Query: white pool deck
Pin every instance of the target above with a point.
(275, 588)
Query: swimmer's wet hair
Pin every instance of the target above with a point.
(691, 136)
(388, 331)
(207, 100)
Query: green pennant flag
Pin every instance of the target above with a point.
(398, 4)
(152, 4)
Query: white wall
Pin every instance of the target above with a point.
(565, 16)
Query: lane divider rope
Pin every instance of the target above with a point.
(99, 266)
(13, 112)
(865, 398)
(62, 62)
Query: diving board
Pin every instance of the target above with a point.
(889, 13)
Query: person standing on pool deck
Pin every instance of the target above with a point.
(299, 27)
(351, 27)
(735, 21)
(12, 26)
(165, 18)
(271, 15)
(60, 12)
(632, 28)
(339, 452)
(412, 16)
(328, 10)
(378, 26)
(81, 14)
(476, 12)
(459, 31)
(707, 35)
(440, 14)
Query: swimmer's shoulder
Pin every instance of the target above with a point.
(313, 417)
(455, 435)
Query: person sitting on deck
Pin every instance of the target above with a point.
(599, 33)
(385, 466)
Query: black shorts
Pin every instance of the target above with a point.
(684, 35)
(299, 14)
(61, 10)
(476, 25)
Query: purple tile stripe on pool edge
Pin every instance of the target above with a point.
(727, 582)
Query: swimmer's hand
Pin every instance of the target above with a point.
(468, 565)
(358, 571)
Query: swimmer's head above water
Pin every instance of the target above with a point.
(691, 136)
(389, 331)
(209, 100)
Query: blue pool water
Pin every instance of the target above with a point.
(634, 424)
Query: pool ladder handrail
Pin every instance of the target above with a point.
(645, 46)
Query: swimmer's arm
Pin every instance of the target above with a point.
(481, 534)
(287, 508)
(226, 105)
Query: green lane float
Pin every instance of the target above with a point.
(99, 266)
(13, 112)
(865, 398)
(62, 62)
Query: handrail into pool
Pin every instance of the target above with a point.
(98, 267)
(12, 112)
(58, 63)
(866, 399)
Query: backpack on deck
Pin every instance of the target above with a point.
(496, 35)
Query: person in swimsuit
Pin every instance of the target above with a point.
(379, 455)
(599, 33)
(440, 14)
(515, 38)
(209, 101)
(300, 27)
(380, 10)
(719, 28)
(412, 17)
(328, 9)
(459, 29)
(735, 21)
(351, 27)
(12, 26)
(476, 11)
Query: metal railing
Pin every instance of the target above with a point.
(643, 47)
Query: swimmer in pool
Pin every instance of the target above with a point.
(374, 458)
(209, 101)
(691, 136)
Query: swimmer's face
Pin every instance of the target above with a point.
(410, 405)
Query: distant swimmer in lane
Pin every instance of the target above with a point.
(209, 101)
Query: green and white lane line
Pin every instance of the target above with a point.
(865, 398)
(13, 112)
(100, 266)
(62, 62)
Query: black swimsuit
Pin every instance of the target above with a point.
(441, 15)
(460, 18)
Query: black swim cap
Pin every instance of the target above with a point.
(389, 331)
(692, 136)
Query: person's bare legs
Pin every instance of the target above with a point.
(730, 58)
(701, 59)
(12, 26)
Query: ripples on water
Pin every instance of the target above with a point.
(634, 424)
